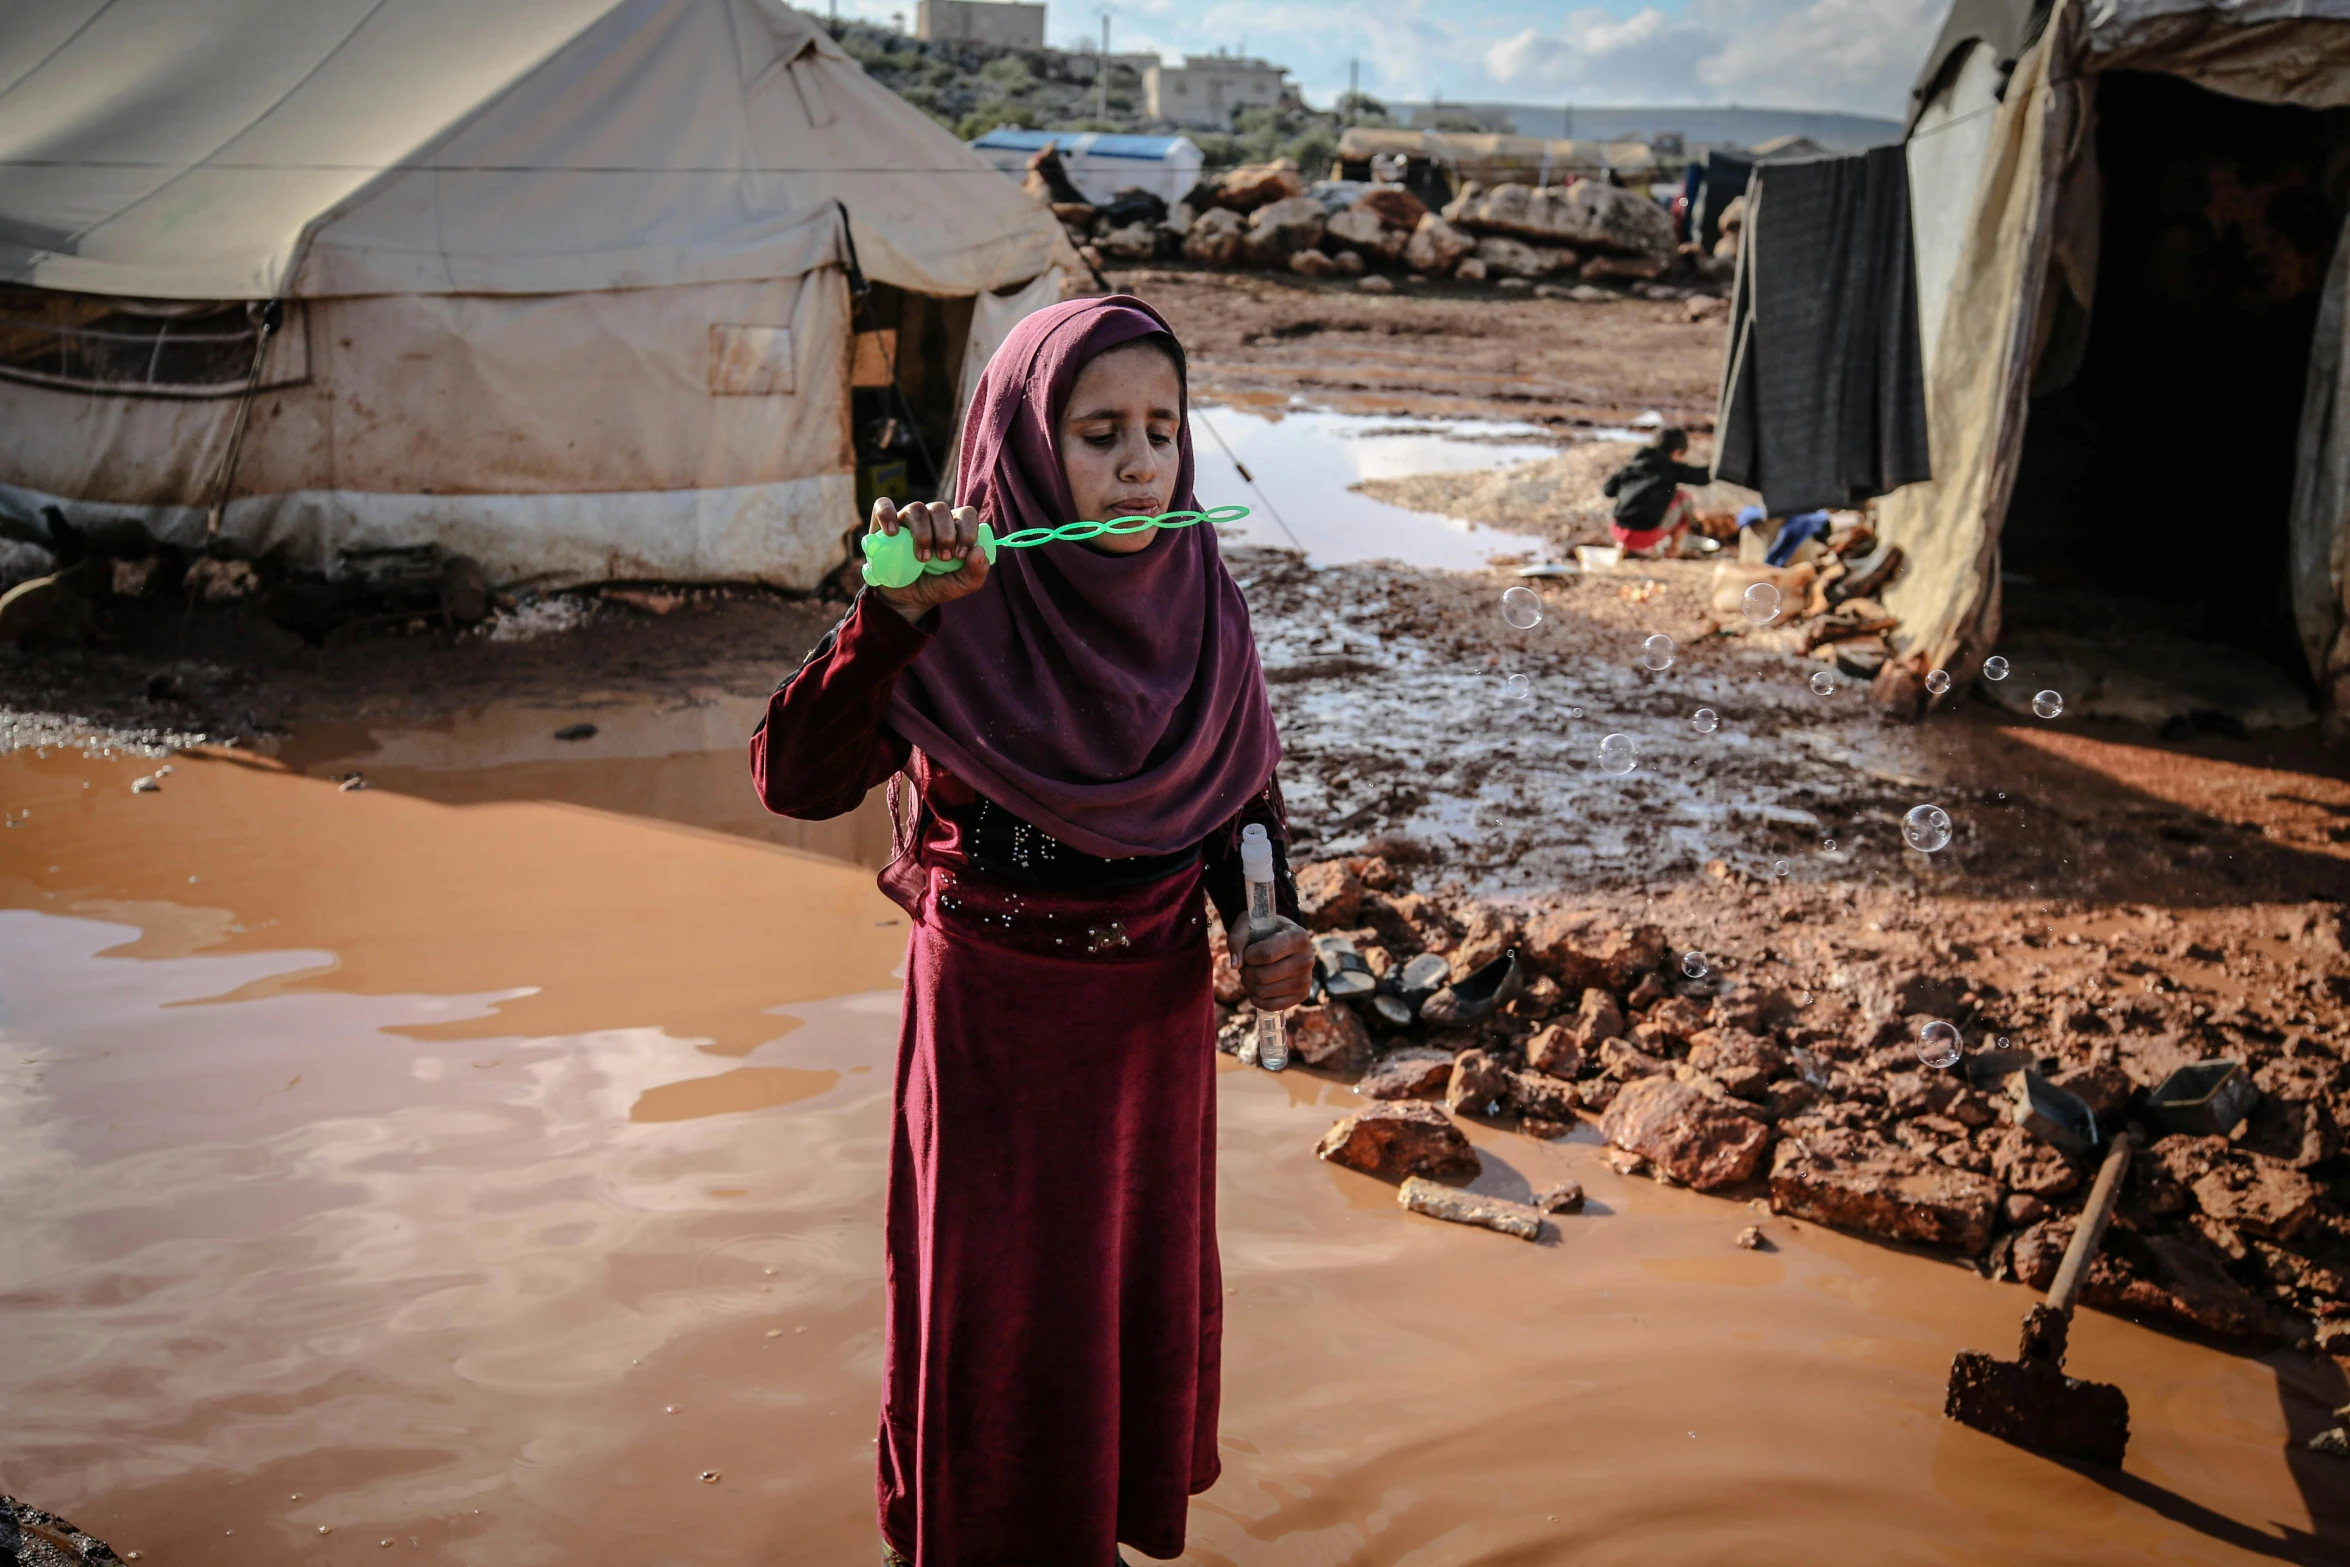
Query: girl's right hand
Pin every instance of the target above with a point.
(939, 534)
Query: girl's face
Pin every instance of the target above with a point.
(1117, 440)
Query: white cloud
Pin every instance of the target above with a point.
(1851, 55)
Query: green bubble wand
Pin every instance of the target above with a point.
(890, 562)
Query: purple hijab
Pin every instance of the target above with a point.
(1112, 700)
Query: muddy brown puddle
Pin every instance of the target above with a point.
(475, 1161)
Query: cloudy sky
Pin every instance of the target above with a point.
(1855, 56)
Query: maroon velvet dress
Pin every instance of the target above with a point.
(1055, 1305)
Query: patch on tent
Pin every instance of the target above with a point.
(750, 361)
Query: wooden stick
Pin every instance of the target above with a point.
(2090, 1229)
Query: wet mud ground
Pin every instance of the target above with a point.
(473, 1161)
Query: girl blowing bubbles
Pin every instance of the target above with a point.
(1086, 731)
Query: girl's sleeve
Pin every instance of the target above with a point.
(823, 743)
(1220, 860)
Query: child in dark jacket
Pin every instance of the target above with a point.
(1653, 512)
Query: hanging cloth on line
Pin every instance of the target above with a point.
(1824, 398)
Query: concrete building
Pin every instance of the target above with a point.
(1205, 90)
(1004, 22)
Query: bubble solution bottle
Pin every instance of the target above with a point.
(1256, 868)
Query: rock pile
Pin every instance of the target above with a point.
(2239, 1232)
(1266, 216)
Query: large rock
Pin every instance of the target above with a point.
(1392, 205)
(1414, 1072)
(1256, 185)
(1480, 1085)
(1597, 1017)
(1134, 242)
(2259, 1195)
(1329, 1036)
(1543, 1097)
(1851, 1181)
(1588, 215)
(1360, 231)
(1436, 246)
(1741, 1062)
(1698, 1140)
(1282, 229)
(1216, 238)
(1459, 1207)
(1329, 895)
(1397, 1140)
(1506, 257)
(1555, 1050)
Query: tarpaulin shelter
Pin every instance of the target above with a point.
(2127, 218)
(1100, 163)
(563, 285)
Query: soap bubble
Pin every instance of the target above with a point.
(2048, 705)
(1522, 608)
(1824, 683)
(1516, 688)
(1926, 828)
(1705, 721)
(1761, 603)
(1693, 964)
(1804, 998)
(1937, 681)
(1994, 668)
(1617, 755)
(2001, 1042)
(1574, 712)
(1780, 867)
(1827, 846)
(1657, 652)
(1938, 1043)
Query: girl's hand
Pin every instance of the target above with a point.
(1277, 968)
(939, 534)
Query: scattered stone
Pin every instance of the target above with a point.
(1618, 269)
(146, 783)
(1313, 263)
(1555, 1051)
(1329, 1036)
(34, 1538)
(1700, 1141)
(1853, 1181)
(1392, 205)
(1541, 1097)
(2333, 1442)
(576, 732)
(1565, 1197)
(1414, 1072)
(1625, 1162)
(1597, 1017)
(1396, 1140)
(2259, 1195)
(1752, 1239)
(1436, 246)
(2022, 1208)
(1625, 1061)
(2297, 1132)
(1281, 229)
(1255, 185)
(1469, 270)
(1216, 238)
(1486, 934)
(1479, 1084)
(1741, 1062)
(2178, 1278)
(1329, 894)
(1669, 1025)
(1460, 1207)
(1588, 215)
(1544, 1130)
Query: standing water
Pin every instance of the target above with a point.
(417, 1155)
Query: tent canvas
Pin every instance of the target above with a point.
(563, 281)
(2007, 210)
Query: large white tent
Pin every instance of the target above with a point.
(562, 284)
(2014, 161)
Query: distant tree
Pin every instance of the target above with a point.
(988, 117)
(1460, 124)
(1360, 108)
